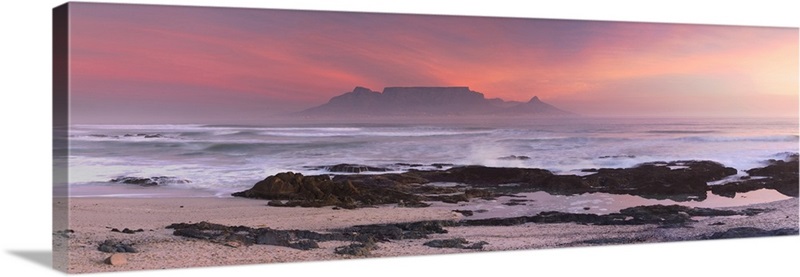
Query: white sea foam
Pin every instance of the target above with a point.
(225, 158)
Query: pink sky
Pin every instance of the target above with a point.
(180, 64)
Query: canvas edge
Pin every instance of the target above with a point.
(60, 108)
(60, 125)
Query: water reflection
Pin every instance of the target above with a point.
(528, 204)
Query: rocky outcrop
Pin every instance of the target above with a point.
(149, 181)
(242, 235)
(364, 237)
(321, 190)
(460, 243)
(114, 246)
(356, 249)
(679, 180)
(514, 157)
(127, 231)
(662, 215)
(780, 175)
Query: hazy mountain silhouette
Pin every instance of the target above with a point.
(427, 101)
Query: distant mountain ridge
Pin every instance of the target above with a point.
(427, 101)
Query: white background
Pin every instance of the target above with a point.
(25, 174)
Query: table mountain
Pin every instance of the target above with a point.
(427, 101)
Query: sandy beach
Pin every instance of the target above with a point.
(92, 220)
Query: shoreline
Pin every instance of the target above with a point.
(289, 217)
(92, 219)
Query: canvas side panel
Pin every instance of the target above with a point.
(61, 232)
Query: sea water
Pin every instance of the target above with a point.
(215, 160)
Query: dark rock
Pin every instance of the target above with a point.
(657, 180)
(464, 212)
(356, 249)
(151, 181)
(447, 243)
(126, 248)
(127, 231)
(399, 231)
(364, 236)
(408, 164)
(662, 215)
(749, 232)
(477, 246)
(241, 235)
(460, 243)
(717, 223)
(514, 157)
(606, 241)
(688, 181)
(781, 176)
(486, 176)
(107, 248)
(113, 246)
(305, 244)
(319, 191)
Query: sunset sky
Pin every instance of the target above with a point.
(159, 64)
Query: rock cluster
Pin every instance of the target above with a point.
(149, 181)
(363, 237)
(662, 215)
(127, 231)
(678, 180)
(781, 176)
(460, 243)
(113, 246)
(321, 190)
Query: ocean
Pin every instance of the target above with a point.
(215, 160)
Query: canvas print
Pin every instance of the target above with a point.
(198, 136)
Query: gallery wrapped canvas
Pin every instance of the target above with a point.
(199, 136)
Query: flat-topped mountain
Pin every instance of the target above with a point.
(427, 101)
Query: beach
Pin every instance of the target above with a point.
(181, 196)
(92, 221)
